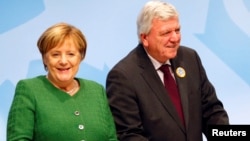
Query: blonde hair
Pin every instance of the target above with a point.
(56, 34)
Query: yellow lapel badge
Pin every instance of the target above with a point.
(180, 72)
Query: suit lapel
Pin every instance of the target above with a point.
(153, 80)
(158, 89)
(182, 86)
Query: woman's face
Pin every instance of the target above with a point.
(63, 62)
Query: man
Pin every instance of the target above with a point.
(143, 109)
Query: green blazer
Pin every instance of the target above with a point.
(42, 112)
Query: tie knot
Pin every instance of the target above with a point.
(165, 68)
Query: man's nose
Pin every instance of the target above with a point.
(174, 36)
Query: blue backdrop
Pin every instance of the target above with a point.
(218, 29)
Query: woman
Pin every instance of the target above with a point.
(60, 106)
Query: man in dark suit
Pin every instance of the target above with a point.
(142, 107)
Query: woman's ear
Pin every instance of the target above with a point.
(44, 60)
(44, 63)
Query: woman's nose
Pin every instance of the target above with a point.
(63, 59)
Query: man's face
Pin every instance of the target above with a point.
(163, 40)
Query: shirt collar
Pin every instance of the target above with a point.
(157, 64)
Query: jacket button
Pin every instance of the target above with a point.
(81, 127)
(77, 113)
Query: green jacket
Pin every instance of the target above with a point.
(41, 112)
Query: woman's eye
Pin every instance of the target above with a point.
(71, 54)
(55, 54)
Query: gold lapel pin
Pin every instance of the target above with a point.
(180, 72)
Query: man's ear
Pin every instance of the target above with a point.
(144, 39)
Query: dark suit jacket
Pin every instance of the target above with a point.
(142, 108)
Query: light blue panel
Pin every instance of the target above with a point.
(17, 12)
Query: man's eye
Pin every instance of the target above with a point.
(177, 30)
(165, 33)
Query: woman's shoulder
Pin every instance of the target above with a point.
(31, 85)
(35, 79)
(89, 83)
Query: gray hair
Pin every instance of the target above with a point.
(151, 10)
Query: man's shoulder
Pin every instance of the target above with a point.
(185, 50)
